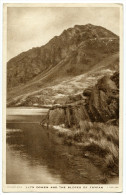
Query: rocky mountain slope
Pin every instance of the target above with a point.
(77, 51)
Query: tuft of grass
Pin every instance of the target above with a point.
(99, 142)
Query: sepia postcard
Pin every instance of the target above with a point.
(62, 97)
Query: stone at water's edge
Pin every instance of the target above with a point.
(100, 105)
(58, 114)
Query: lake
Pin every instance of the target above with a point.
(36, 155)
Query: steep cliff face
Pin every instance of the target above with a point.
(77, 50)
(98, 104)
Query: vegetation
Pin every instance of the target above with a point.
(99, 142)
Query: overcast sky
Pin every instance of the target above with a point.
(31, 27)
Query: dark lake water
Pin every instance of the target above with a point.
(36, 155)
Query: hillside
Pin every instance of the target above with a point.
(77, 51)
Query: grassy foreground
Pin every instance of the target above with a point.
(99, 143)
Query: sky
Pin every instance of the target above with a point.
(29, 27)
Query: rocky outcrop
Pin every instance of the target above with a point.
(98, 104)
(104, 101)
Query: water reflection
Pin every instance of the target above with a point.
(36, 155)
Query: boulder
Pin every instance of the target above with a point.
(56, 116)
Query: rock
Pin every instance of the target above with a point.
(101, 105)
(69, 99)
(56, 116)
(87, 92)
(104, 100)
(115, 78)
(106, 84)
(61, 100)
(86, 155)
(74, 98)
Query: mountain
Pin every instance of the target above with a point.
(77, 51)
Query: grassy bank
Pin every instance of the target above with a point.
(99, 143)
